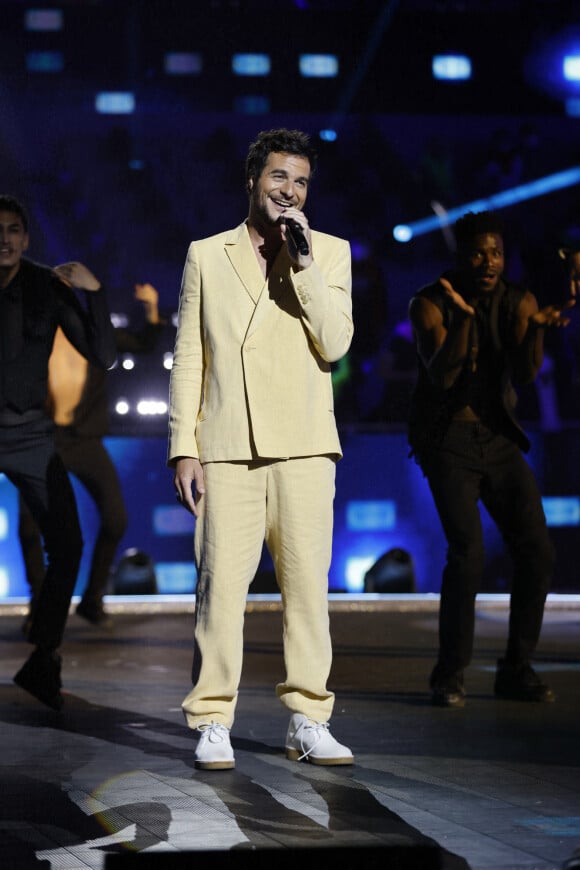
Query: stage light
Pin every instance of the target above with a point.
(44, 61)
(251, 64)
(571, 68)
(151, 408)
(451, 67)
(365, 516)
(122, 407)
(394, 572)
(168, 360)
(547, 184)
(572, 107)
(320, 66)
(562, 510)
(128, 363)
(402, 233)
(182, 63)
(553, 67)
(119, 320)
(176, 578)
(328, 135)
(354, 572)
(135, 574)
(3, 524)
(115, 103)
(43, 20)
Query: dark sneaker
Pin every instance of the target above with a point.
(521, 683)
(94, 613)
(447, 691)
(40, 676)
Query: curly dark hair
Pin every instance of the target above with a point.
(474, 224)
(11, 204)
(279, 141)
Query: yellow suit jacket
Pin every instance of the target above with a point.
(251, 373)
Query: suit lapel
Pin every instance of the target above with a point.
(241, 254)
(266, 293)
(277, 293)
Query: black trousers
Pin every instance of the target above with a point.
(30, 461)
(89, 461)
(473, 465)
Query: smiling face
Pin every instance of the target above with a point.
(13, 244)
(482, 263)
(282, 184)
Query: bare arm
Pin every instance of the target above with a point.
(442, 351)
(77, 275)
(148, 295)
(529, 327)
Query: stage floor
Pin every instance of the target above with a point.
(109, 782)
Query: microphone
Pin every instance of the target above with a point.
(298, 236)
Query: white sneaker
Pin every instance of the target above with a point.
(214, 750)
(312, 741)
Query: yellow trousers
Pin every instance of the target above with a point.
(289, 504)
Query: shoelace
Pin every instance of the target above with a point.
(318, 728)
(216, 733)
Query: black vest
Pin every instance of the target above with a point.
(432, 407)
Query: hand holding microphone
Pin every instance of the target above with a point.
(297, 234)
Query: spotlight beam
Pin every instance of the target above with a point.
(547, 184)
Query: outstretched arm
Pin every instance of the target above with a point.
(145, 339)
(148, 295)
(529, 329)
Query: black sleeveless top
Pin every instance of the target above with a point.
(484, 382)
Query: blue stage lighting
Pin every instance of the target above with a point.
(115, 103)
(571, 68)
(364, 516)
(554, 66)
(251, 64)
(328, 135)
(4, 527)
(321, 66)
(562, 510)
(451, 67)
(573, 107)
(44, 61)
(43, 19)
(557, 181)
(183, 63)
(402, 233)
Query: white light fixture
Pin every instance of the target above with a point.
(451, 67)
(115, 103)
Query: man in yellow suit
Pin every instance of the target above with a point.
(265, 309)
